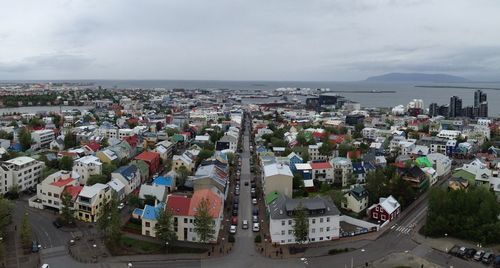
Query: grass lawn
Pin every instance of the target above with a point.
(139, 245)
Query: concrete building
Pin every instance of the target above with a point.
(42, 138)
(342, 170)
(23, 172)
(51, 189)
(356, 199)
(90, 200)
(129, 176)
(87, 166)
(323, 217)
(277, 178)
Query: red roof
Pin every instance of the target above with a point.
(337, 138)
(399, 164)
(73, 190)
(318, 134)
(147, 156)
(94, 146)
(179, 204)
(62, 182)
(215, 203)
(131, 140)
(321, 165)
(354, 154)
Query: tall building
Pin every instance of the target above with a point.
(23, 171)
(433, 109)
(479, 97)
(483, 109)
(455, 109)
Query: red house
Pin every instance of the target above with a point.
(387, 209)
(152, 159)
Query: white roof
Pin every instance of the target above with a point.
(277, 169)
(308, 183)
(389, 204)
(89, 159)
(19, 161)
(91, 191)
(202, 138)
(303, 166)
(158, 191)
(116, 185)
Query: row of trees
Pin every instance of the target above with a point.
(384, 182)
(470, 215)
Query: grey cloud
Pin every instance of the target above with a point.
(47, 62)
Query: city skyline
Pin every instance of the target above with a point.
(222, 40)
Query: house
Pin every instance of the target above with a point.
(50, 190)
(387, 209)
(356, 199)
(165, 149)
(322, 171)
(90, 200)
(87, 166)
(42, 138)
(182, 160)
(185, 209)
(118, 188)
(23, 171)
(152, 159)
(314, 154)
(441, 163)
(369, 133)
(129, 176)
(57, 144)
(149, 218)
(143, 169)
(294, 159)
(107, 156)
(277, 177)
(159, 192)
(322, 214)
(416, 177)
(458, 183)
(342, 170)
(210, 176)
(232, 139)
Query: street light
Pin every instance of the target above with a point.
(129, 264)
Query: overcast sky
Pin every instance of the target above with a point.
(248, 40)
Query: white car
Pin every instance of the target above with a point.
(254, 201)
(244, 224)
(255, 227)
(232, 229)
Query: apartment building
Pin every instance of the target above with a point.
(87, 166)
(90, 200)
(51, 189)
(22, 171)
(323, 217)
(342, 170)
(42, 138)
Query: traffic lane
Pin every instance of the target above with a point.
(40, 221)
(256, 262)
(170, 264)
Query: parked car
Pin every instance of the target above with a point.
(232, 229)
(35, 247)
(255, 219)
(254, 201)
(254, 195)
(496, 262)
(479, 255)
(252, 190)
(57, 224)
(488, 258)
(461, 252)
(236, 200)
(235, 205)
(256, 227)
(470, 252)
(121, 206)
(234, 220)
(235, 212)
(237, 192)
(246, 183)
(244, 224)
(255, 211)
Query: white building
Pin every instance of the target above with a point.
(323, 217)
(50, 190)
(369, 133)
(90, 200)
(277, 178)
(42, 138)
(86, 167)
(125, 132)
(22, 171)
(449, 134)
(441, 163)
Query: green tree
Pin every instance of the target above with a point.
(25, 139)
(134, 201)
(165, 227)
(376, 185)
(109, 221)
(204, 154)
(298, 180)
(70, 140)
(301, 224)
(183, 174)
(25, 232)
(93, 179)
(67, 214)
(326, 149)
(343, 148)
(203, 222)
(301, 138)
(66, 163)
(5, 213)
(107, 169)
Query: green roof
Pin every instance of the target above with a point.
(271, 197)
(423, 161)
(464, 174)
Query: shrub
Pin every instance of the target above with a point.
(231, 239)
(258, 239)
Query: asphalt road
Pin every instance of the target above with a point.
(40, 221)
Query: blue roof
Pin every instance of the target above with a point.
(137, 211)
(357, 168)
(164, 181)
(151, 213)
(126, 171)
(16, 147)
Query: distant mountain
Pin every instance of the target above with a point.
(416, 77)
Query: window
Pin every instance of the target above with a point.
(320, 220)
(376, 209)
(290, 232)
(375, 215)
(190, 220)
(282, 232)
(289, 222)
(185, 220)
(313, 221)
(282, 223)
(147, 224)
(328, 229)
(382, 217)
(282, 241)
(313, 230)
(327, 219)
(320, 230)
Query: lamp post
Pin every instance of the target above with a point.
(166, 246)
(129, 264)
(446, 236)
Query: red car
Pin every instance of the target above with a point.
(234, 220)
